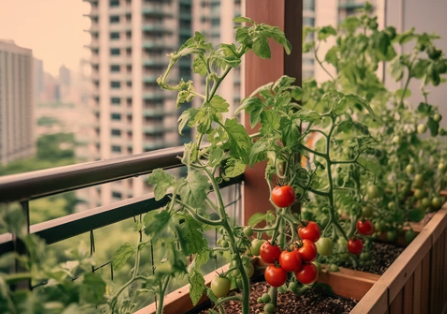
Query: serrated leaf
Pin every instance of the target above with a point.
(326, 31)
(93, 288)
(270, 122)
(290, 132)
(396, 69)
(307, 115)
(416, 215)
(243, 37)
(258, 151)
(216, 155)
(212, 297)
(243, 19)
(400, 93)
(261, 46)
(331, 56)
(187, 116)
(234, 168)
(193, 191)
(190, 236)
(433, 126)
(197, 287)
(256, 218)
(239, 141)
(282, 83)
(297, 93)
(351, 126)
(122, 255)
(162, 181)
(156, 223)
(219, 104)
(198, 66)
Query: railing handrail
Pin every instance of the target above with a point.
(35, 184)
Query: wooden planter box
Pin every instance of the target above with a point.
(415, 283)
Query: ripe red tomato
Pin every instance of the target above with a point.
(270, 253)
(310, 232)
(283, 196)
(275, 276)
(307, 274)
(290, 261)
(308, 251)
(355, 246)
(365, 227)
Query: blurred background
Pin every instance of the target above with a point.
(78, 84)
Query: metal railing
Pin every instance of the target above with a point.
(28, 186)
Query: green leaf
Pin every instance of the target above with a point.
(190, 236)
(433, 126)
(261, 46)
(258, 151)
(122, 255)
(307, 115)
(219, 104)
(162, 182)
(93, 288)
(239, 141)
(198, 66)
(249, 104)
(290, 132)
(270, 122)
(234, 168)
(283, 83)
(243, 19)
(156, 223)
(202, 258)
(243, 37)
(425, 108)
(187, 116)
(349, 126)
(350, 24)
(261, 89)
(416, 215)
(256, 218)
(331, 56)
(197, 288)
(193, 191)
(400, 93)
(396, 69)
(297, 93)
(325, 32)
(204, 118)
(216, 155)
(278, 36)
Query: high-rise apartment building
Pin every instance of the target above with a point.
(16, 102)
(130, 40)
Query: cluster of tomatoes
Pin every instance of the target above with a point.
(298, 260)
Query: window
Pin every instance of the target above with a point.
(114, 36)
(309, 5)
(114, 3)
(115, 194)
(115, 68)
(115, 84)
(115, 51)
(114, 19)
(309, 21)
(116, 116)
(116, 101)
(116, 132)
(215, 22)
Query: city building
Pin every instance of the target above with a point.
(38, 78)
(16, 102)
(130, 40)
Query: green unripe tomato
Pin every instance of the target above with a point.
(260, 300)
(234, 256)
(266, 298)
(396, 139)
(367, 211)
(425, 203)
(365, 256)
(376, 236)
(409, 169)
(282, 289)
(239, 283)
(293, 286)
(436, 202)
(343, 257)
(334, 268)
(392, 235)
(372, 191)
(421, 128)
(318, 265)
(409, 236)
(418, 180)
(220, 286)
(418, 194)
(248, 231)
(256, 246)
(224, 243)
(392, 205)
(442, 132)
(324, 246)
(442, 167)
(437, 117)
(269, 308)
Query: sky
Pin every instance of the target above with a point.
(53, 29)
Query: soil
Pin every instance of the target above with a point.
(383, 254)
(312, 302)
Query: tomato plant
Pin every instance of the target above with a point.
(283, 196)
(355, 246)
(290, 261)
(365, 227)
(270, 253)
(310, 232)
(307, 274)
(275, 276)
(220, 286)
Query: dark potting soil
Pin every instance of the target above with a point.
(383, 255)
(313, 302)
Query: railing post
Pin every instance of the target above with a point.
(20, 247)
(287, 15)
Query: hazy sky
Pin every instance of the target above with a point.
(53, 29)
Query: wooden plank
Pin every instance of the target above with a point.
(374, 302)
(417, 290)
(438, 274)
(178, 301)
(396, 306)
(408, 296)
(349, 283)
(425, 288)
(438, 223)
